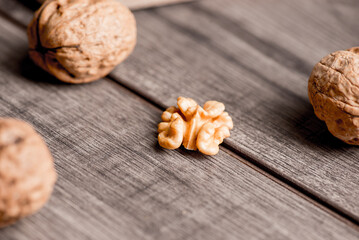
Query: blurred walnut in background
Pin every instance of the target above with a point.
(194, 127)
(27, 173)
(80, 41)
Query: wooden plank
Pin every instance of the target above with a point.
(257, 63)
(282, 133)
(116, 183)
(309, 29)
(205, 53)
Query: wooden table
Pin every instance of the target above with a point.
(280, 175)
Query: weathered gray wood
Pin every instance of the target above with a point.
(116, 183)
(256, 57)
(21, 12)
(218, 50)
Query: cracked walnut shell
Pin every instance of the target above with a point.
(194, 127)
(27, 173)
(333, 90)
(80, 41)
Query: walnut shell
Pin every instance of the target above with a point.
(333, 90)
(80, 41)
(27, 173)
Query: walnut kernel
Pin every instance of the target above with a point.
(27, 173)
(194, 127)
(333, 90)
(80, 41)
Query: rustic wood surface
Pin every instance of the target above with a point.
(115, 182)
(296, 181)
(256, 57)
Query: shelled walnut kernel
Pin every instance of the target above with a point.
(194, 127)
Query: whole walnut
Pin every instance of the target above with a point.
(80, 41)
(334, 93)
(27, 173)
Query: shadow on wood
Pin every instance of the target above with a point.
(311, 131)
(32, 4)
(31, 72)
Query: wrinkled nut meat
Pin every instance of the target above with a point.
(80, 41)
(194, 127)
(333, 90)
(27, 173)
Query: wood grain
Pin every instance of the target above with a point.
(255, 57)
(116, 183)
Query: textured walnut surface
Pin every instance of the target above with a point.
(194, 127)
(81, 40)
(27, 174)
(334, 93)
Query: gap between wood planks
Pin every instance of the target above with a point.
(251, 162)
(246, 159)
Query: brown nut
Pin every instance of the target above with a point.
(194, 127)
(80, 41)
(27, 173)
(333, 90)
